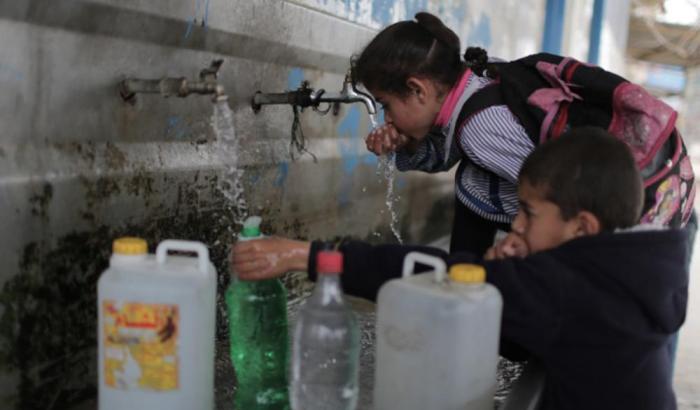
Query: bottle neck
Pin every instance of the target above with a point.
(328, 290)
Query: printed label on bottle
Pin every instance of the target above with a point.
(140, 345)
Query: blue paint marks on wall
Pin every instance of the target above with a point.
(480, 35)
(348, 131)
(414, 6)
(460, 12)
(352, 151)
(349, 5)
(295, 77)
(381, 11)
(253, 177)
(282, 173)
(176, 128)
(10, 72)
(370, 159)
(191, 23)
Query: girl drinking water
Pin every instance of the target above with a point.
(441, 109)
(415, 71)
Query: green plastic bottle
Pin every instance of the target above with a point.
(257, 314)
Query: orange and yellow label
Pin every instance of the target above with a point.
(140, 345)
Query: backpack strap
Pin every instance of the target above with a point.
(496, 94)
(482, 99)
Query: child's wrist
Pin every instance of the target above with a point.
(300, 256)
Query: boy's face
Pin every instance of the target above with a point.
(539, 222)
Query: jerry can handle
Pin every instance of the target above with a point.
(189, 246)
(438, 265)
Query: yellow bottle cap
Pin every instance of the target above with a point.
(467, 273)
(129, 246)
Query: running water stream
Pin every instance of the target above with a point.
(228, 149)
(230, 184)
(387, 168)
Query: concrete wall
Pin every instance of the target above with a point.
(79, 167)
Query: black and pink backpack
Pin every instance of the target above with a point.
(550, 94)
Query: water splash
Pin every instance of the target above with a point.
(231, 180)
(386, 167)
(374, 123)
(230, 184)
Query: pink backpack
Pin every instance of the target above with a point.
(550, 94)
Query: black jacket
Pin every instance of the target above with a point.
(597, 311)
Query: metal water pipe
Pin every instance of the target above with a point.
(177, 87)
(304, 96)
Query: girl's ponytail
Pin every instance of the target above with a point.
(438, 30)
(476, 59)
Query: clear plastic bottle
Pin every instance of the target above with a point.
(257, 314)
(326, 349)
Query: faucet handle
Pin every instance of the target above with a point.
(212, 72)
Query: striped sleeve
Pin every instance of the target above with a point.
(495, 140)
(429, 156)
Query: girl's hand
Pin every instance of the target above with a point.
(268, 258)
(385, 139)
(511, 246)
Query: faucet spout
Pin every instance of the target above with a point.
(179, 87)
(349, 94)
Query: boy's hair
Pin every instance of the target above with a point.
(421, 48)
(587, 169)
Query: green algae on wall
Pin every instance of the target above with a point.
(48, 315)
(48, 323)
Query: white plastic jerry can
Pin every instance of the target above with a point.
(156, 327)
(437, 339)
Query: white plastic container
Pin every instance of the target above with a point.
(156, 328)
(437, 339)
